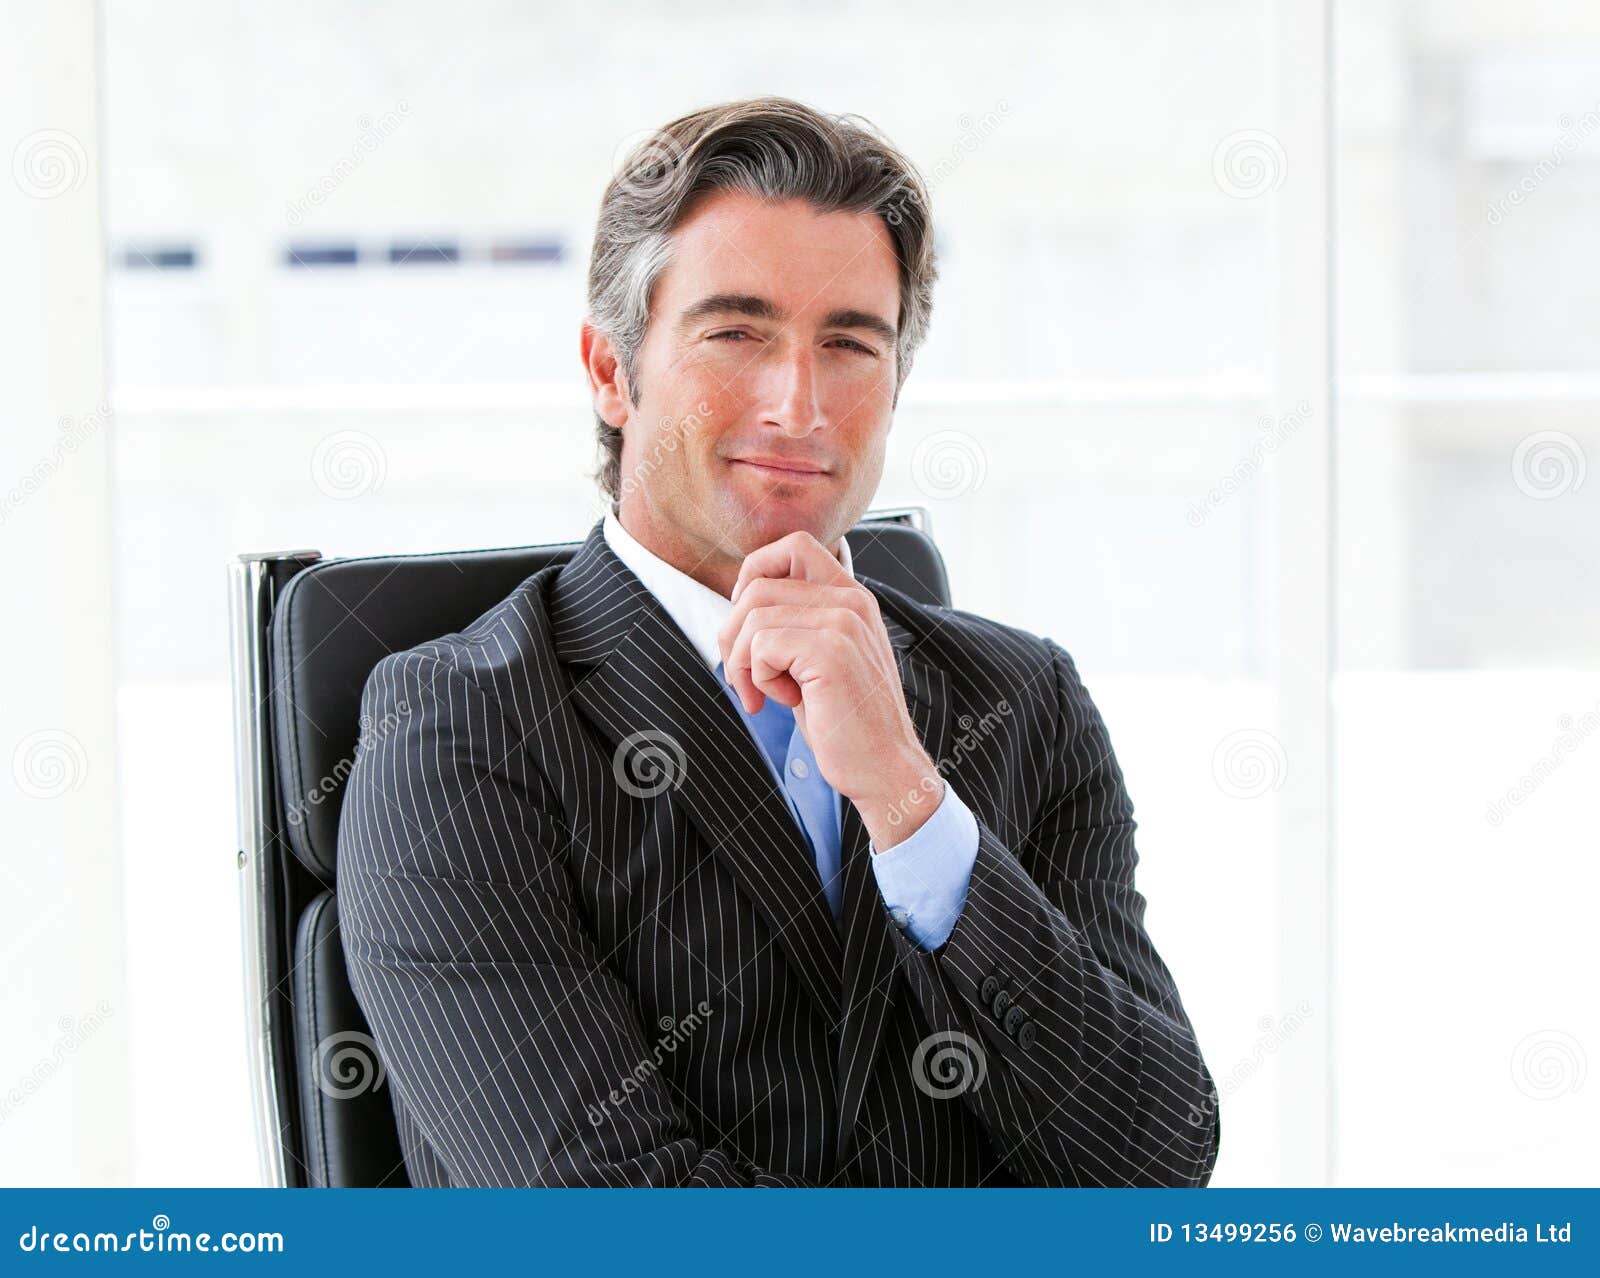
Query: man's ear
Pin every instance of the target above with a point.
(607, 384)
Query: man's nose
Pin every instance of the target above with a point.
(794, 403)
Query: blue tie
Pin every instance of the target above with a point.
(813, 801)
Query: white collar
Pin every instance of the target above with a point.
(699, 611)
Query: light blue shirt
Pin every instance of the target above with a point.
(922, 879)
(815, 805)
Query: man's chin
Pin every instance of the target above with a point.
(772, 519)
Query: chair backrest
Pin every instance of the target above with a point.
(307, 632)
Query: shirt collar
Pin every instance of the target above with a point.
(699, 611)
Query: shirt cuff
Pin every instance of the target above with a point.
(923, 879)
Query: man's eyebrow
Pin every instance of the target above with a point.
(753, 307)
(746, 304)
(865, 321)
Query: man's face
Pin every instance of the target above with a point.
(767, 380)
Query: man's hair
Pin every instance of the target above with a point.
(772, 148)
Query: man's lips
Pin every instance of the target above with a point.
(785, 468)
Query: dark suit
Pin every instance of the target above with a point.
(593, 948)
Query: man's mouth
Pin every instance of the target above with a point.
(786, 468)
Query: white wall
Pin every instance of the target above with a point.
(64, 1096)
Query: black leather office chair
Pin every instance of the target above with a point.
(306, 633)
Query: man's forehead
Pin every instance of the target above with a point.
(794, 258)
(760, 231)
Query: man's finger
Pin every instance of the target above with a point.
(736, 664)
(780, 648)
(736, 655)
(750, 696)
(777, 592)
(797, 555)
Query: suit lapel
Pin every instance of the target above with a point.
(671, 728)
(869, 952)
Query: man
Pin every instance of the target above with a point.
(701, 861)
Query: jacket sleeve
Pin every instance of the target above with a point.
(520, 1055)
(1048, 998)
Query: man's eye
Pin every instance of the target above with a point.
(731, 333)
(855, 345)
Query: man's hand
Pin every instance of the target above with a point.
(803, 631)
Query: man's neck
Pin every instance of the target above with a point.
(706, 564)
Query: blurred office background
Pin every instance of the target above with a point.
(1263, 377)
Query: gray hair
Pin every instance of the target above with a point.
(773, 148)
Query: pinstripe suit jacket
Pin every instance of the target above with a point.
(593, 948)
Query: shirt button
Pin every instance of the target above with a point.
(901, 917)
(798, 767)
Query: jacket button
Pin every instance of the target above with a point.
(999, 1003)
(1016, 1018)
(989, 988)
(1026, 1035)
